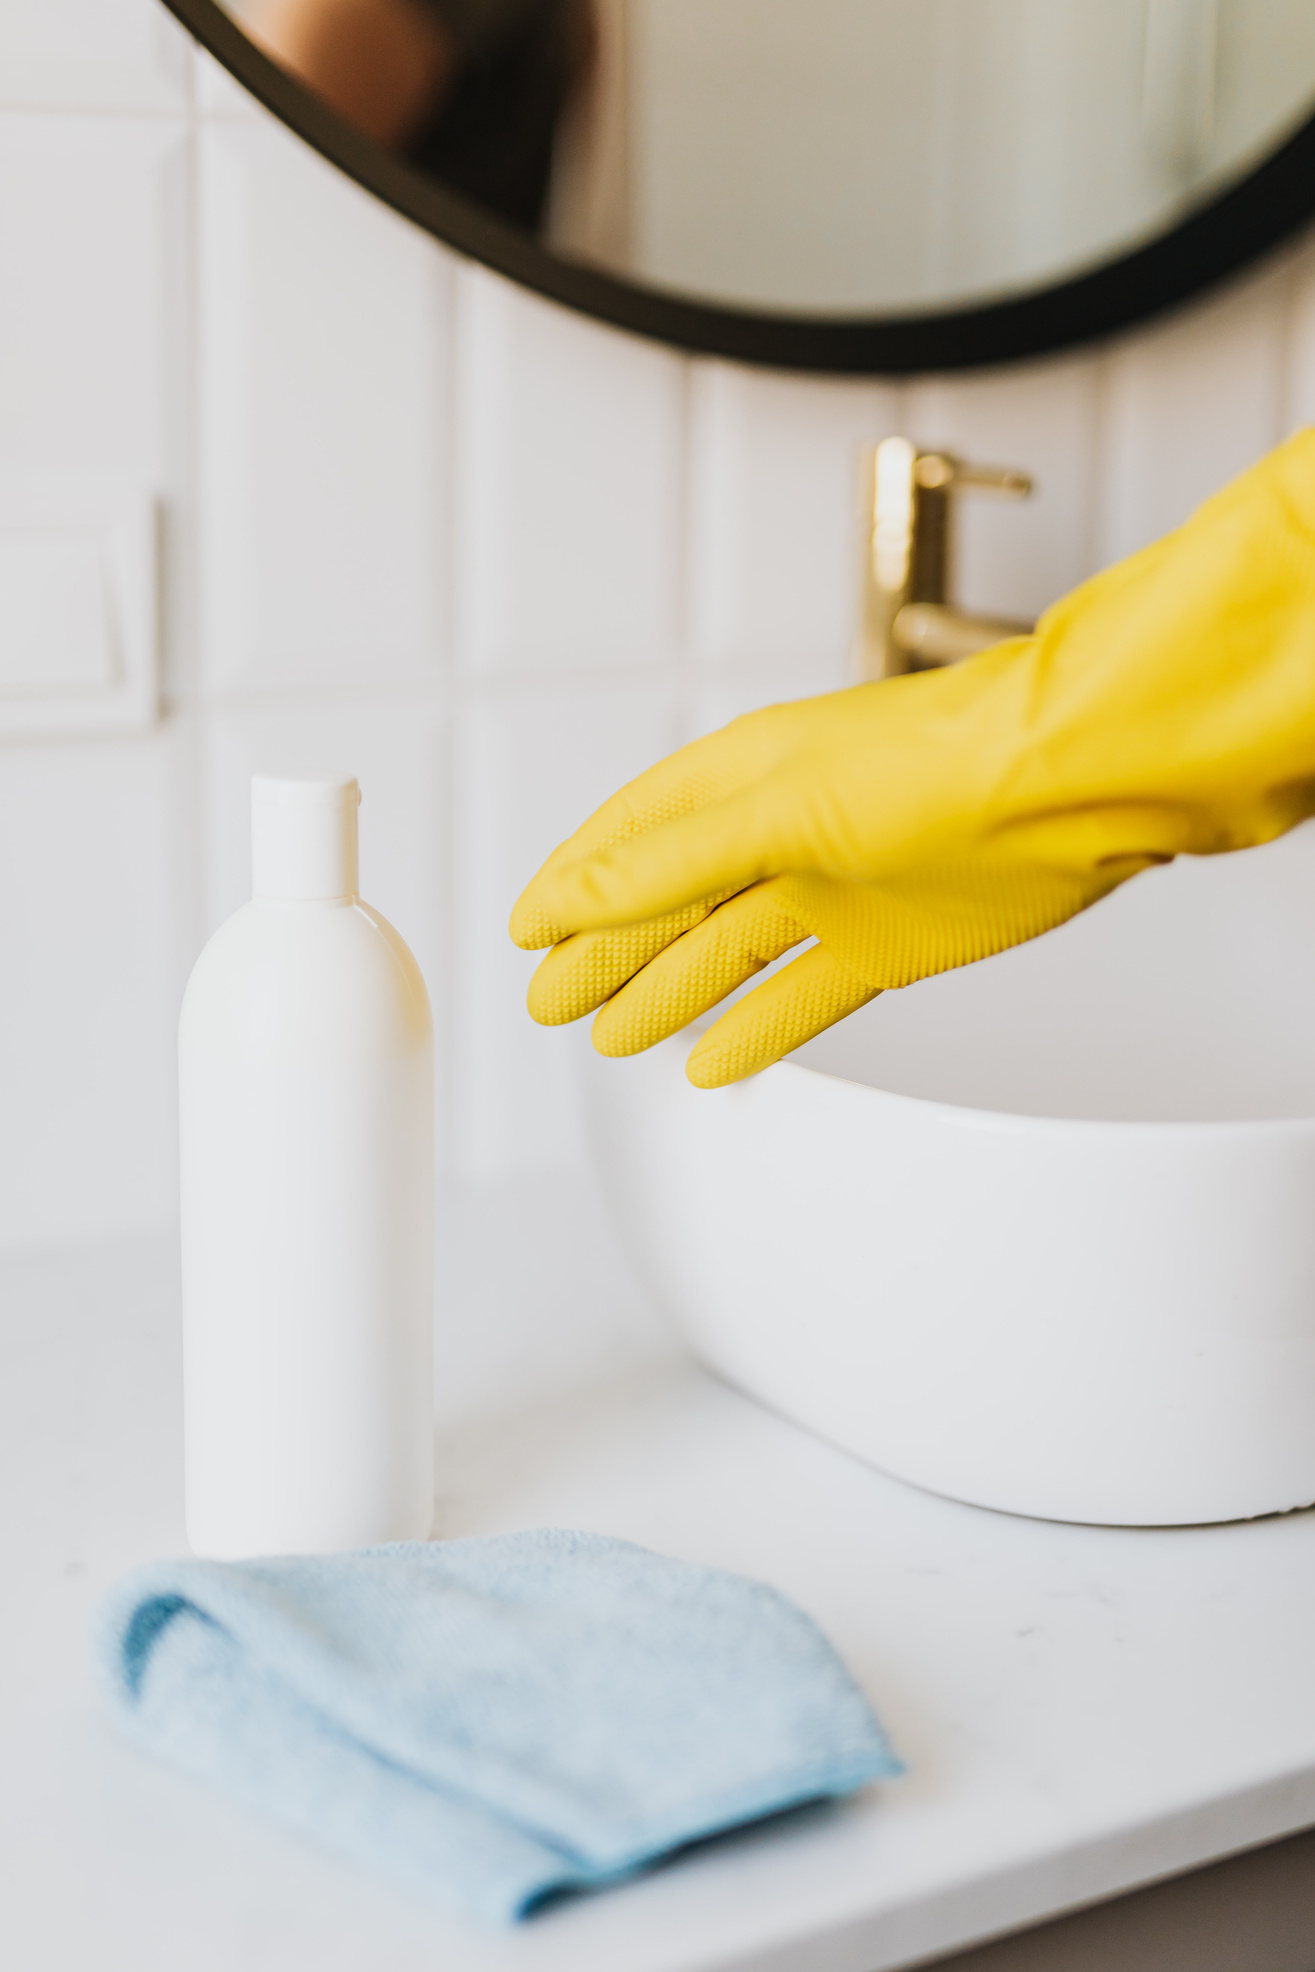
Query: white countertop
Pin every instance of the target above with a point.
(1081, 1709)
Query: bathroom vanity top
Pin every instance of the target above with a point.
(1081, 1709)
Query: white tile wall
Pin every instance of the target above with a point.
(216, 94)
(323, 356)
(93, 871)
(773, 515)
(1017, 556)
(568, 477)
(95, 325)
(93, 331)
(430, 530)
(530, 763)
(81, 54)
(1188, 405)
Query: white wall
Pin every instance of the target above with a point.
(419, 526)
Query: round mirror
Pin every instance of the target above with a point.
(862, 185)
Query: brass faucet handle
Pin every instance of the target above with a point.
(935, 471)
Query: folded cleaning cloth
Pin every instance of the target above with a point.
(491, 1720)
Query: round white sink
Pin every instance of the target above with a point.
(1038, 1234)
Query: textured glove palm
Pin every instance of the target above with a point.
(919, 823)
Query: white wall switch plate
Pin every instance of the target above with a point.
(78, 608)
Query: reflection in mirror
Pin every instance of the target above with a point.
(817, 157)
(474, 92)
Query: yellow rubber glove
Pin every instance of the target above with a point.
(919, 823)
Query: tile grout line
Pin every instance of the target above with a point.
(447, 928)
(1100, 467)
(1285, 383)
(185, 623)
(682, 662)
(109, 111)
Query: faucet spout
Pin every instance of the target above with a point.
(932, 634)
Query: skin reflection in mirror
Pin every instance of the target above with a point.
(470, 90)
(380, 63)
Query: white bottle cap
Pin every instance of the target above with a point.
(303, 839)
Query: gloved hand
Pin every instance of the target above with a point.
(919, 823)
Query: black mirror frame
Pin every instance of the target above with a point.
(1220, 238)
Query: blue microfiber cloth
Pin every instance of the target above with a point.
(491, 1720)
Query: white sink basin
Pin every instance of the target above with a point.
(1039, 1234)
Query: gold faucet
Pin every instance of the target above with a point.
(908, 622)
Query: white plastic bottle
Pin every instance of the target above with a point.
(306, 1095)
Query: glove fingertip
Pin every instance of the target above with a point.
(530, 926)
(709, 1068)
(548, 1006)
(720, 1059)
(616, 1039)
